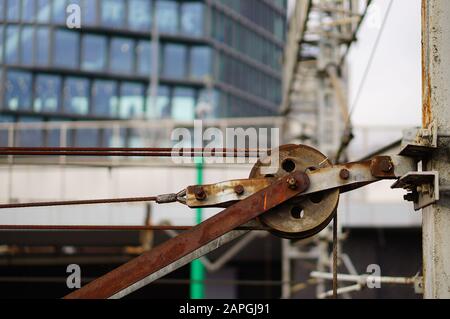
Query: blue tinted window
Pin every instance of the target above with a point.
(18, 90)
(47, 93)
(86, 138)
(13, 9)
(139, 14)
(144, 52)
(1, 43)
(200, 62)
(94, 52)
(131, 100)
(113, 13)
(2, 9)
(42, 46)
(174, 61)
(192, 18)
(59, 11)
(12, 44)
(183, 104)
(76, 96)
(104, 98)
(122, 55)
(29, 137)
(89, 12)
(160, 106)
(28, 7)
(27, 45)
(43, 10)
(66, 46)
(167, 15)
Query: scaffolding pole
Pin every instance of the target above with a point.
(436, 102)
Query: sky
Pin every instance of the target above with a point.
(392, 92)
(391, 95)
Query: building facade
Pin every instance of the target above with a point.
(226, 53)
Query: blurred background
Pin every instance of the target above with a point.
(343, 76)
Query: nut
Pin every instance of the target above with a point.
(200, 193)
(386, 166)
(292, 183)
(239, 189)
(344, 174)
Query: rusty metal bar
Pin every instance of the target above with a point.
(163, 258)
(138, 152)
(112, 228)
(80, 202)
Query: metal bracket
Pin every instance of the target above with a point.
(423, 187)
(419, 142)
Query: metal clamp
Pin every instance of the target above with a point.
(423, 188)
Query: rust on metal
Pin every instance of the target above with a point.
(239, 189)
(382, 167)
(200, 193)
(344, 174)
(225, 193)
(191, 240)
(111, 228)
(427, 115)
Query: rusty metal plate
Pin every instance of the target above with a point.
(225, 193)
(303, 216)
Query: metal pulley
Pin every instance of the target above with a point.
(303, 216)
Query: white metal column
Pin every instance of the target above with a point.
(436, 108)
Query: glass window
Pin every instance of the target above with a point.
(174, 61)
(27, 45)
(144, 52)
(12, 44)
(139, 14)
(200, 62)
(28, 7)
(122, 55)
(76, 96)
(47, 93)
(43, 10)
(42, 46)
(86, 138)
(183, 104)
(192, 18)
(66, 46)
(159, 107)
(131, 100)
(18, 90)
(1, 42)
(13, 9)
(2, 9)
(104, 98)
(59, 11)
(29, 137)
(89, 12)
(207, 104)
(94, 52)
(167, 16)
(113, 13)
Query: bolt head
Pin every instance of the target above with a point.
(344, 174)
(292, 183)
(239, 189)
(200, 193)
(386, 166)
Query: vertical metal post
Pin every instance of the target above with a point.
(286, 269)
(436, 107)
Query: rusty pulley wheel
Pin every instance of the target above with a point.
(304, 216)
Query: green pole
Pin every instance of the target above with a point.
(197, 268)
